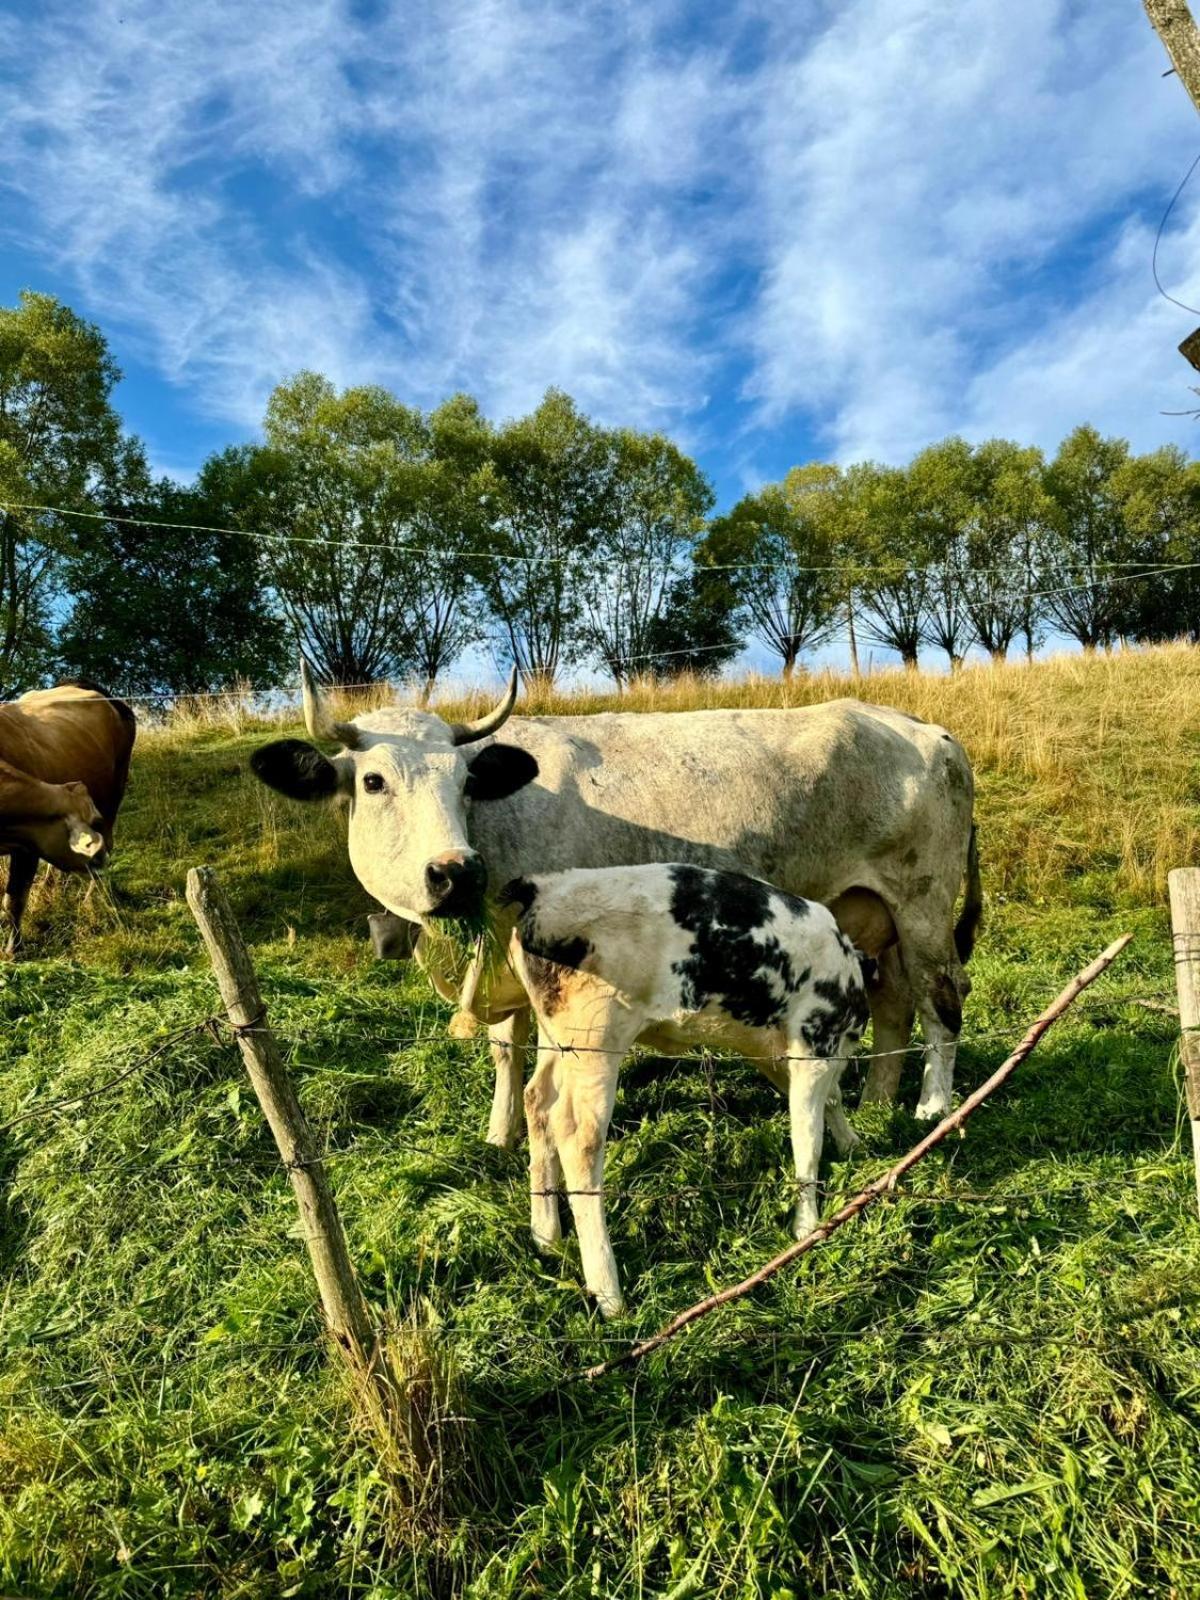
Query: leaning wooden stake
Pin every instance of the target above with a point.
(1184, 887)
(880, 1186)
(385, 1398)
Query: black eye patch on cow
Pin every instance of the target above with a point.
(296, 769)
(498, 771)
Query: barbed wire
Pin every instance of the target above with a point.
(218, 1026)
(841, 569)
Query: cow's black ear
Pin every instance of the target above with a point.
(498, 771)
(296, 769)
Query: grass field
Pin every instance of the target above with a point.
(989, 1387)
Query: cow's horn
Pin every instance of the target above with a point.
(468, 732)
(316, 713)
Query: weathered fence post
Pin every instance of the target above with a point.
(348, 1318)
(1184, 887)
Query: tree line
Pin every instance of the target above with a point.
(387, 540)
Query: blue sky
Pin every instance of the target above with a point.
(777, 233)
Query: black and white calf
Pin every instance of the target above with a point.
(672, 956)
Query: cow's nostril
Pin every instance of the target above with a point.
(456, 884)
(438, 879)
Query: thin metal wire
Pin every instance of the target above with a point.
(848, 571)
(1158, 239)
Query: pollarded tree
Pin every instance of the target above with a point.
(1005, 546)
(442, 595)
(1088, 543)
(883, 549)
(60, 441)
(658, 500)
(370, 518)
(549, 506)
(943, 494)
(779, 549)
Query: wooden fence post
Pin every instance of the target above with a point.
(1184, 887)
(385, 1397)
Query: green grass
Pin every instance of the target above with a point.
(988, 1387)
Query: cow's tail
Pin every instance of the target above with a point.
(967, 926)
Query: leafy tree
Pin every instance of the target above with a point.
(780, 548)
(442, 597)
(60, 440)
(943, 497)
(1004, 554)
(657, 501)
(697, 629)
(882, 539)
(550, 505)
(174, 609)
(382, 512)
(1159, 496)
(1088, 540)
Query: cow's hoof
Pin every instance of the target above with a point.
(931, 1110)
(610, 1305)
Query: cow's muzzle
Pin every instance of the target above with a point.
(456, 883)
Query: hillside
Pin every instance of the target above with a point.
(987, 1388)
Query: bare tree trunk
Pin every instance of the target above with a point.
(850, 631)
(1175, 26)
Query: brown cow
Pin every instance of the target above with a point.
(64, 764)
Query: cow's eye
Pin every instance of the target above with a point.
(373, 783)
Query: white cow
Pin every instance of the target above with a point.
(673, 957)
(842, 802)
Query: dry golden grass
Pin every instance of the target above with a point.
(1083, 763)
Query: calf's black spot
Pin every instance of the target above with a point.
(731, 957)
(845, 1010)
(548, 959)
(518, 892)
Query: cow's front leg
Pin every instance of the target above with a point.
(508, 1041)
(810, 1083)
(22, 869)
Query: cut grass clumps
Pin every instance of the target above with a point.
(986, 1388)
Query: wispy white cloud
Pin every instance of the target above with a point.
(929, 175)
(891, 220)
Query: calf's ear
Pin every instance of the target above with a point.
(498, 771)
(296, 769)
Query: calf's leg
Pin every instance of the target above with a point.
(589, 1054)
(840, 1131)
(545, 1169)
(508, 1040)
(811, 1081)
